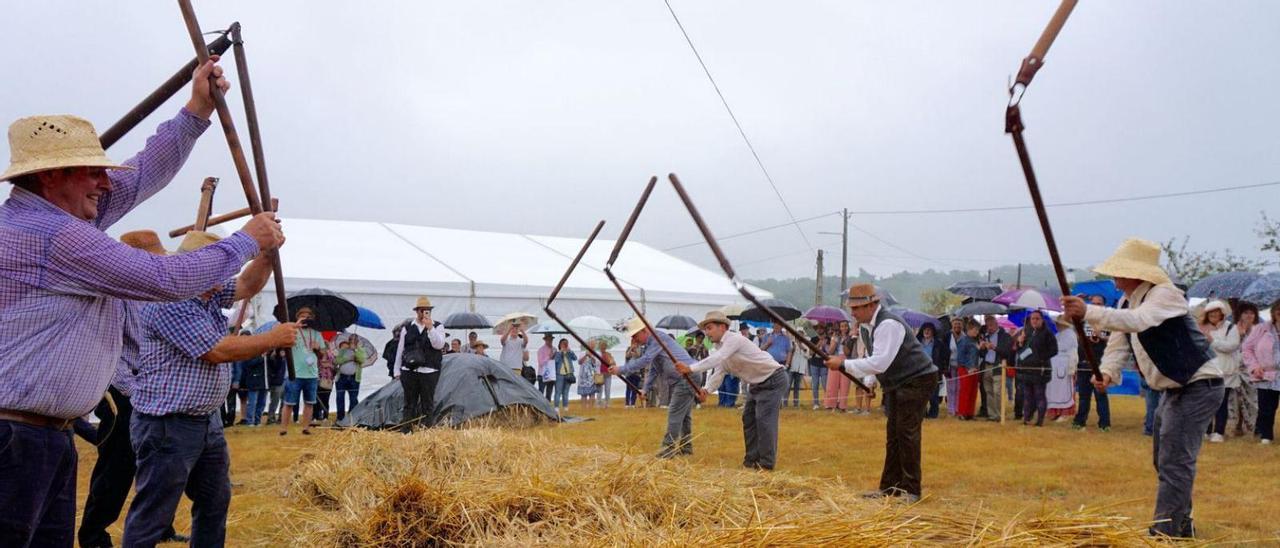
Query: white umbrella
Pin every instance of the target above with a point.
(514, 318)
(591, 327)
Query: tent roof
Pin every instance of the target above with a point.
(391, 258)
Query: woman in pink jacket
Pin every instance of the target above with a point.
(1261, 350)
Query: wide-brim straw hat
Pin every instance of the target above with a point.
(479, 344)
(196, 240)
(1136, 259)
(860, 294)
(634, 326)
(146, 240)
(423, 302)
(715, 316)
(45, 142)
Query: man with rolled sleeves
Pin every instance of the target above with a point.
(63, 283)
(1152, 324)
(897, 362)
(184, 373)
(678, 439)
(766, 381)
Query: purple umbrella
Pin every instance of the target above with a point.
(827, 314)
(915, 318)
(1029, 299)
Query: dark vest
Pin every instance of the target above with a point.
(911, 361)
(418, 352)
(1177, 347)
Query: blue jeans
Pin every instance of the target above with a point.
(37, 486)
(818, 382)
(561, 397)
(1152, 398)
(347, 387)
(631, 394)
(1084, 387)
(179, 454)
(254, 406)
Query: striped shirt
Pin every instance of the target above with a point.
(171, 376)
(62, 281)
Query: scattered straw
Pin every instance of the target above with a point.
(485, 486)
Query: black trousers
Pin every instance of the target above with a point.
(112, 473)
(419, 397)
(905, 406)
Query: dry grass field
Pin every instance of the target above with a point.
(1005, 471)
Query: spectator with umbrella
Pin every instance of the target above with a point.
(308, 345)
(419, 355)
(1242, 412)
(514, 340)
(1262, 360)
(1224, 339)
(1036, 345)
(936, 350)
(817, 369)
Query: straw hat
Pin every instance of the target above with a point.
(479, 344)
(42, 143)
(635, 325)
(196, 240)
(861, 294)
(146, 240)
(1137, 259)
(423, 302)
(715, 316)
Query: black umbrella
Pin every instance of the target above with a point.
(982, 291)
(981, 308)
(785, 309)
(333, 312)
(677, 321)
(466, 320)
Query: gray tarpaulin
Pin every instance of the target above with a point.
(470, 386)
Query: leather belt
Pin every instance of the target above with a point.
(36, 420)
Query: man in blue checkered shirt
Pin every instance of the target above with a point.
(183, 376)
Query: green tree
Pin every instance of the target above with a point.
(937, 302)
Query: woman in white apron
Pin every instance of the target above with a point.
(1061, 389)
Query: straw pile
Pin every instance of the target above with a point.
(486, 486)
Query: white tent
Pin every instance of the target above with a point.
(385, 267)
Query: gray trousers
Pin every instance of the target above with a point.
(760, 420)
(1180, 423)
(679, 436)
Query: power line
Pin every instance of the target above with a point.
(754, 231)
(738, 124)
(996, 208)
(1069, 204)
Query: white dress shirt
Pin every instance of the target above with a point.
(435, 334)
(886, 340)
(1149, 306)
(737, 355)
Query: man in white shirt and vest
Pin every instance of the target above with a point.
(898, 362)
(1153, 325)
(766, 382)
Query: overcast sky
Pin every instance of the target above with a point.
(543, 117)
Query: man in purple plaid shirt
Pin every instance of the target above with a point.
(184, 373)
(63, 283)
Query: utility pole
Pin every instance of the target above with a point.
(1019, 286)
(817, 294)
(844, 259)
